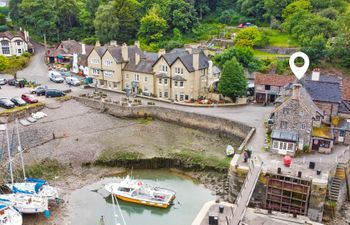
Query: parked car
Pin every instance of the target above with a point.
(244, 25)
(37, 89)
(3, 81)
(29, 98)
(18, 101)
(54, 93)
(73, 81)
(12, 82)
(6, 103)
(41, 92)
(16, 82)
(55, 76)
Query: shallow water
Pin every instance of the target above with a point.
(88, 204)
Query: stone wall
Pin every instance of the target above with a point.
(280, 50)
(220, 126)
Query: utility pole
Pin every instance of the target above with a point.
(45, 44)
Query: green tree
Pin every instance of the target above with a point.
(152, 26)
(300, 5)
(340, 47)
(315, 49)
(232, 82)
(274, 8)
(106, 23)
(250, 37)
(4, 63)
(181, 15)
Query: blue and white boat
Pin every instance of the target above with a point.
(9, 215)
(27, 204)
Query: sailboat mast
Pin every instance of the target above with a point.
(114, 211)
(20, 150)
(9, 153)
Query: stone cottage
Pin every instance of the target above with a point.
(293, 122)
(268, 87)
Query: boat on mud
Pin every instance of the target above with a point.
(37, 187)
(26, 204)
(136, 191)
(9, 215)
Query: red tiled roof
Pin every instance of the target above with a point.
(273, 79)
(346, 89)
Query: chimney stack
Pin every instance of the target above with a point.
(161, 52)
(137, 58)
(98, 44)
(83, 49)
(296, 92)
(188, 48)
(316, 74)
(195, 58)
(210, 68)
(137, 44)
(113, 43)
(125, 52)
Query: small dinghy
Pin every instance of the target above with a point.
(135, 191)
(9, 215)
(26, 203)
(230, 151)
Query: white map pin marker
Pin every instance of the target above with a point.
(299, 72)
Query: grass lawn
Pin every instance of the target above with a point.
(266, 55)
(279, 39)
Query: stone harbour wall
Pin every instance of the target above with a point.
(223, 127)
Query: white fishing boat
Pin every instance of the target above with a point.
(135, 191)
(36, 187)
(9, 215)
(26, 203)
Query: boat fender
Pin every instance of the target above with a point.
(47, 213)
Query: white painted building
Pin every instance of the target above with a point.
(15, 43)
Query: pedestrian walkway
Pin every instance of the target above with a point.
(243, 198)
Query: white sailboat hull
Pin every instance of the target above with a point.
(27, 204)
(47, 191)
(10, 216)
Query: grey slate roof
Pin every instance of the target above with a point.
(344, 107)
(101, 50)
(285, 135)
(178, 78)
(324, 91)
(186, 58)
(326, 78)
(146, 61)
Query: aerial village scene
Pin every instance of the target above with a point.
(174, 112)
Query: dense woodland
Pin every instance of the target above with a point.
(320, 27)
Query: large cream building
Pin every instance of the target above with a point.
(179, 75)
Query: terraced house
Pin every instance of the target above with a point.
(179, 75)
(15, 43)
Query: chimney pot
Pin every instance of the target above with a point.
(315, 74)
(296, 91)
(98, 44)
(161, 52)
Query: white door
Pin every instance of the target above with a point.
(341, 136)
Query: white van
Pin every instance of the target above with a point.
(73, 81)
(55, 76)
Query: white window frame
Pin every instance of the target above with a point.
(126, 76)
(95, 61)
(108, 73)
(165, 81)
(137, 77)
(108, 62)
(160, 81)
(146, 79)
(181, 84)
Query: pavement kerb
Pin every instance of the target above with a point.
(178, 103)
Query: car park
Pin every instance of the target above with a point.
(6, 103)
(18, 101)
(16, 82)
(29, 98)
(55, 76)
(73, 81)
(38, 89)
(3, 81)
(54, 93)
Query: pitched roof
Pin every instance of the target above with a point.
(186, 58)
(305, 101)
(273, 79)
(11, 34)
(346, 89)
(323, 91)
(145, 65)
